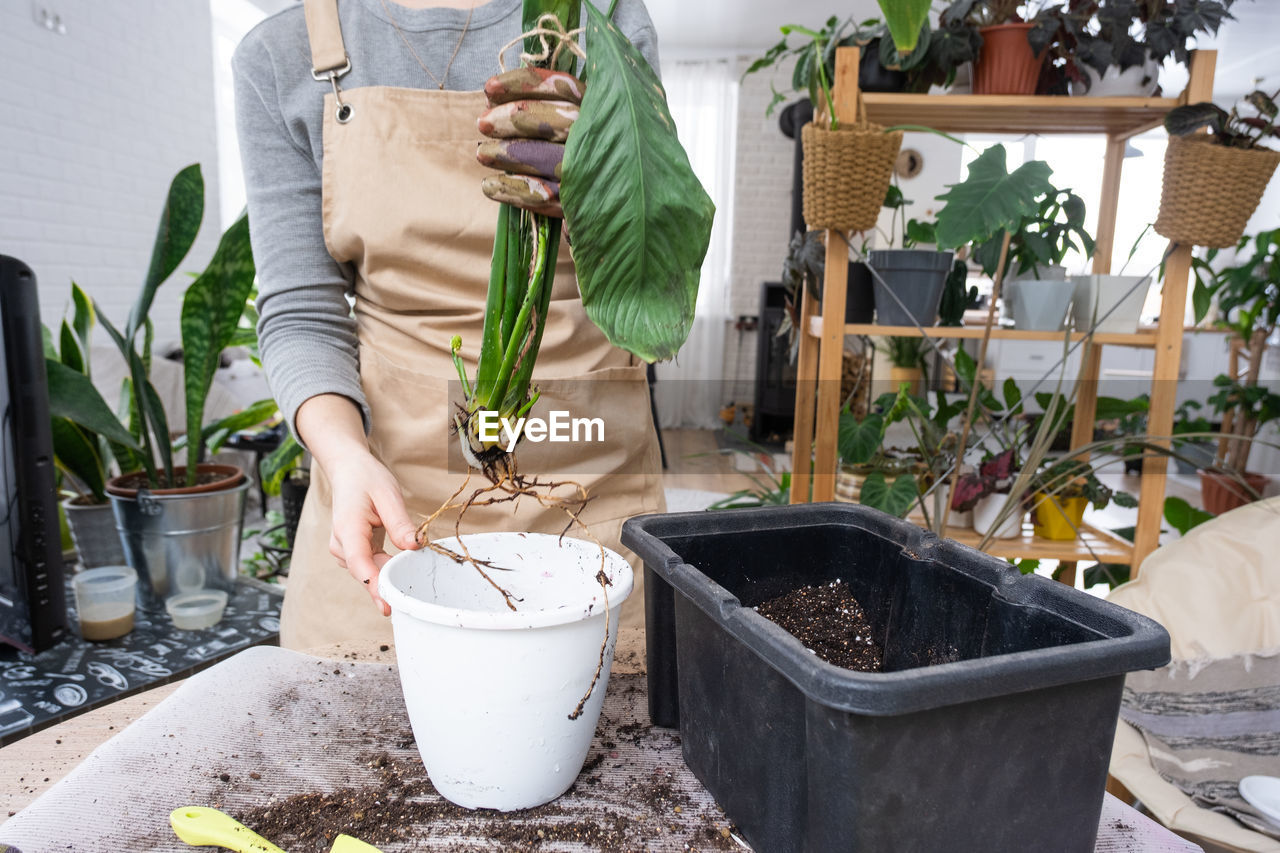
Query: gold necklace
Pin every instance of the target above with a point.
(439, 81)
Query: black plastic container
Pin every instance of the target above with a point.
(990, 730)
(916, 277)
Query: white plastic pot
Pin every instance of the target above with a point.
(490, 690)
(1039, 303)
(984, 517)
(1138, 81)
(1097, 296)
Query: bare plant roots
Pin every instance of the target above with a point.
(507, 485)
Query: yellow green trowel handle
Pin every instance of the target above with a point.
(198, 825)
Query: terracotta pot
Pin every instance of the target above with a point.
(1006, 65)
(1223, 492)
(909, 375)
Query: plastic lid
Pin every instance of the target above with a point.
(194, 610)
(105, 579)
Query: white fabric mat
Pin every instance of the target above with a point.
(269, 724)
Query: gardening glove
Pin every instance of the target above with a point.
(528, 120)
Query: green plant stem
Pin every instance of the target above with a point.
(977, 375)
(825, 84)
(521, 325)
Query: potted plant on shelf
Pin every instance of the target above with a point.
(1213, 182)
(1035, 284)
(83, 429)
(1246, 407)
(806, 264)
(180, 523)
(1116, 47)
(989, 493)
(1247, 292)
(846, 168)
(995, 34)
(906, 362)
(1062, 489)
(910, 283)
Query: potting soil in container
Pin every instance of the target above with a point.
(830, 623)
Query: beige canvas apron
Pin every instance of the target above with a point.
(402, 204)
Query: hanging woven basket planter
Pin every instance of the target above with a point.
(1211, 190)
(846, 174)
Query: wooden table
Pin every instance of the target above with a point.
(32, 765)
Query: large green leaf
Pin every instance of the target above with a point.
(278, 463)
(76, 453)
(72, 396)
(82, 314)
(905, 19)
(179, 223)
(1183, 516)
(896, 499)
(71, 354)
(211, 313)
(216, 433)
(990, 199)
(639, 220)
(859, 440)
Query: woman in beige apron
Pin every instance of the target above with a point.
(402, 204)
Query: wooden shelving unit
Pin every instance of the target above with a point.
(818, 367)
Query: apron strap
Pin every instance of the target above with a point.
(329, 58)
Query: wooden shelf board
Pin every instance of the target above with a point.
(1142, 338)
(1093, 544)
(1014, 114)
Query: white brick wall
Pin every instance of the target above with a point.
(97, 122)
(761, 217)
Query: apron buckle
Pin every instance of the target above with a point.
(344, 111)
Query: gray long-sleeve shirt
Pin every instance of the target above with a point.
(307, 335)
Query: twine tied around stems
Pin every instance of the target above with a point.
(547, 28)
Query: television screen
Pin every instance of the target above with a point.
(33, 607)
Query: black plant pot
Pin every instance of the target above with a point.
(860, 304)
(805, 756)
(293, 491)
(916, 277)
(874, 77)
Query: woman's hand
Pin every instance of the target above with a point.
(528, 120)
(367, 500)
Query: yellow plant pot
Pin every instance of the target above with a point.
(1058, 518)
(909, 375)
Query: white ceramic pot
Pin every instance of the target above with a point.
(984, 517)
(490, 690)
(1139, 81)
(1039, 303)
(1114, 300)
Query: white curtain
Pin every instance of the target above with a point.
(703, 97)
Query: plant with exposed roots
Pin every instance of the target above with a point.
(641, 224)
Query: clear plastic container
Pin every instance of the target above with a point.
(192, 611)
(105, 601)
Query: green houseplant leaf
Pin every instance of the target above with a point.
(72, 396)
(640, 221)
(859, 440)
(1182, 515)
(905, 19)
(991, 199)
(76, 453)
(211, 313)
(896, 499)
(179, 223)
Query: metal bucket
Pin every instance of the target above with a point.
(181, 543)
